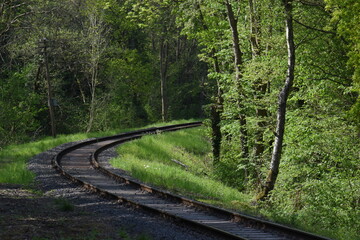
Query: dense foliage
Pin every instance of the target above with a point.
(116, 63)
(103, 65)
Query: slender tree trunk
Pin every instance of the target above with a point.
(254, 30)
(260, 87)
(216, 107)
(80, 89)
(216, 111)
(49, 91)
(93, 96)
(97, 45)
(283, 96)
(235, 39)
(238, 75)
(163, 76)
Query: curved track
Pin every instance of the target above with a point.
(79, 163)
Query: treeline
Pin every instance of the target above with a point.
(106, 69)
(277, 81)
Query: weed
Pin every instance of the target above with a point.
(123, 234)
(93, 235)
(64, 205)
(143, 237)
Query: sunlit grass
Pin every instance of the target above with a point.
(13, 158)
(151, 159)
(186, 147)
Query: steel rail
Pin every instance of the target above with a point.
(230, 216)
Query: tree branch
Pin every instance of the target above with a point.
(315, 29)
(314, 4)
(332, 75)
(331, 80)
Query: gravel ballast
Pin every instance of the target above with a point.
(119, 216)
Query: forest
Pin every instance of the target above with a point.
(276, 83)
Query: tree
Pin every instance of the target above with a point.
(238, 63)
(156, 16)
(282, 103)
(216, 107)
(345, 20)
(95, 37)
(12, 12)
(260, 86)
(50, 100)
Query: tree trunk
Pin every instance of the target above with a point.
(216, 133)
(97, 45)
(93, 96)
(281, 114)
(216, 110)
(49, 91)
(238, 75)
(163, 75)
(217, 107)
(260, 87)
(80, 89)
(254, 30)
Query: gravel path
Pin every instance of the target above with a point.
(122, 217)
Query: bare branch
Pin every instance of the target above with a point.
(305, 39)
(313, 28)
(332, 75)
(17, 6)
(20, 16)
(331, 80)
(319, 3)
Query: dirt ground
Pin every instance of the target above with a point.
(26, 214)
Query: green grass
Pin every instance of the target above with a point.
(150, 159)
(13, 158)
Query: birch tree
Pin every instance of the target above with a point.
(282, 102)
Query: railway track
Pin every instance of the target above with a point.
(79, 164)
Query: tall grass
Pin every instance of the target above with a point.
(151, 159)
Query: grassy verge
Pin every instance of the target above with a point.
(179, 162)
(13, 158)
